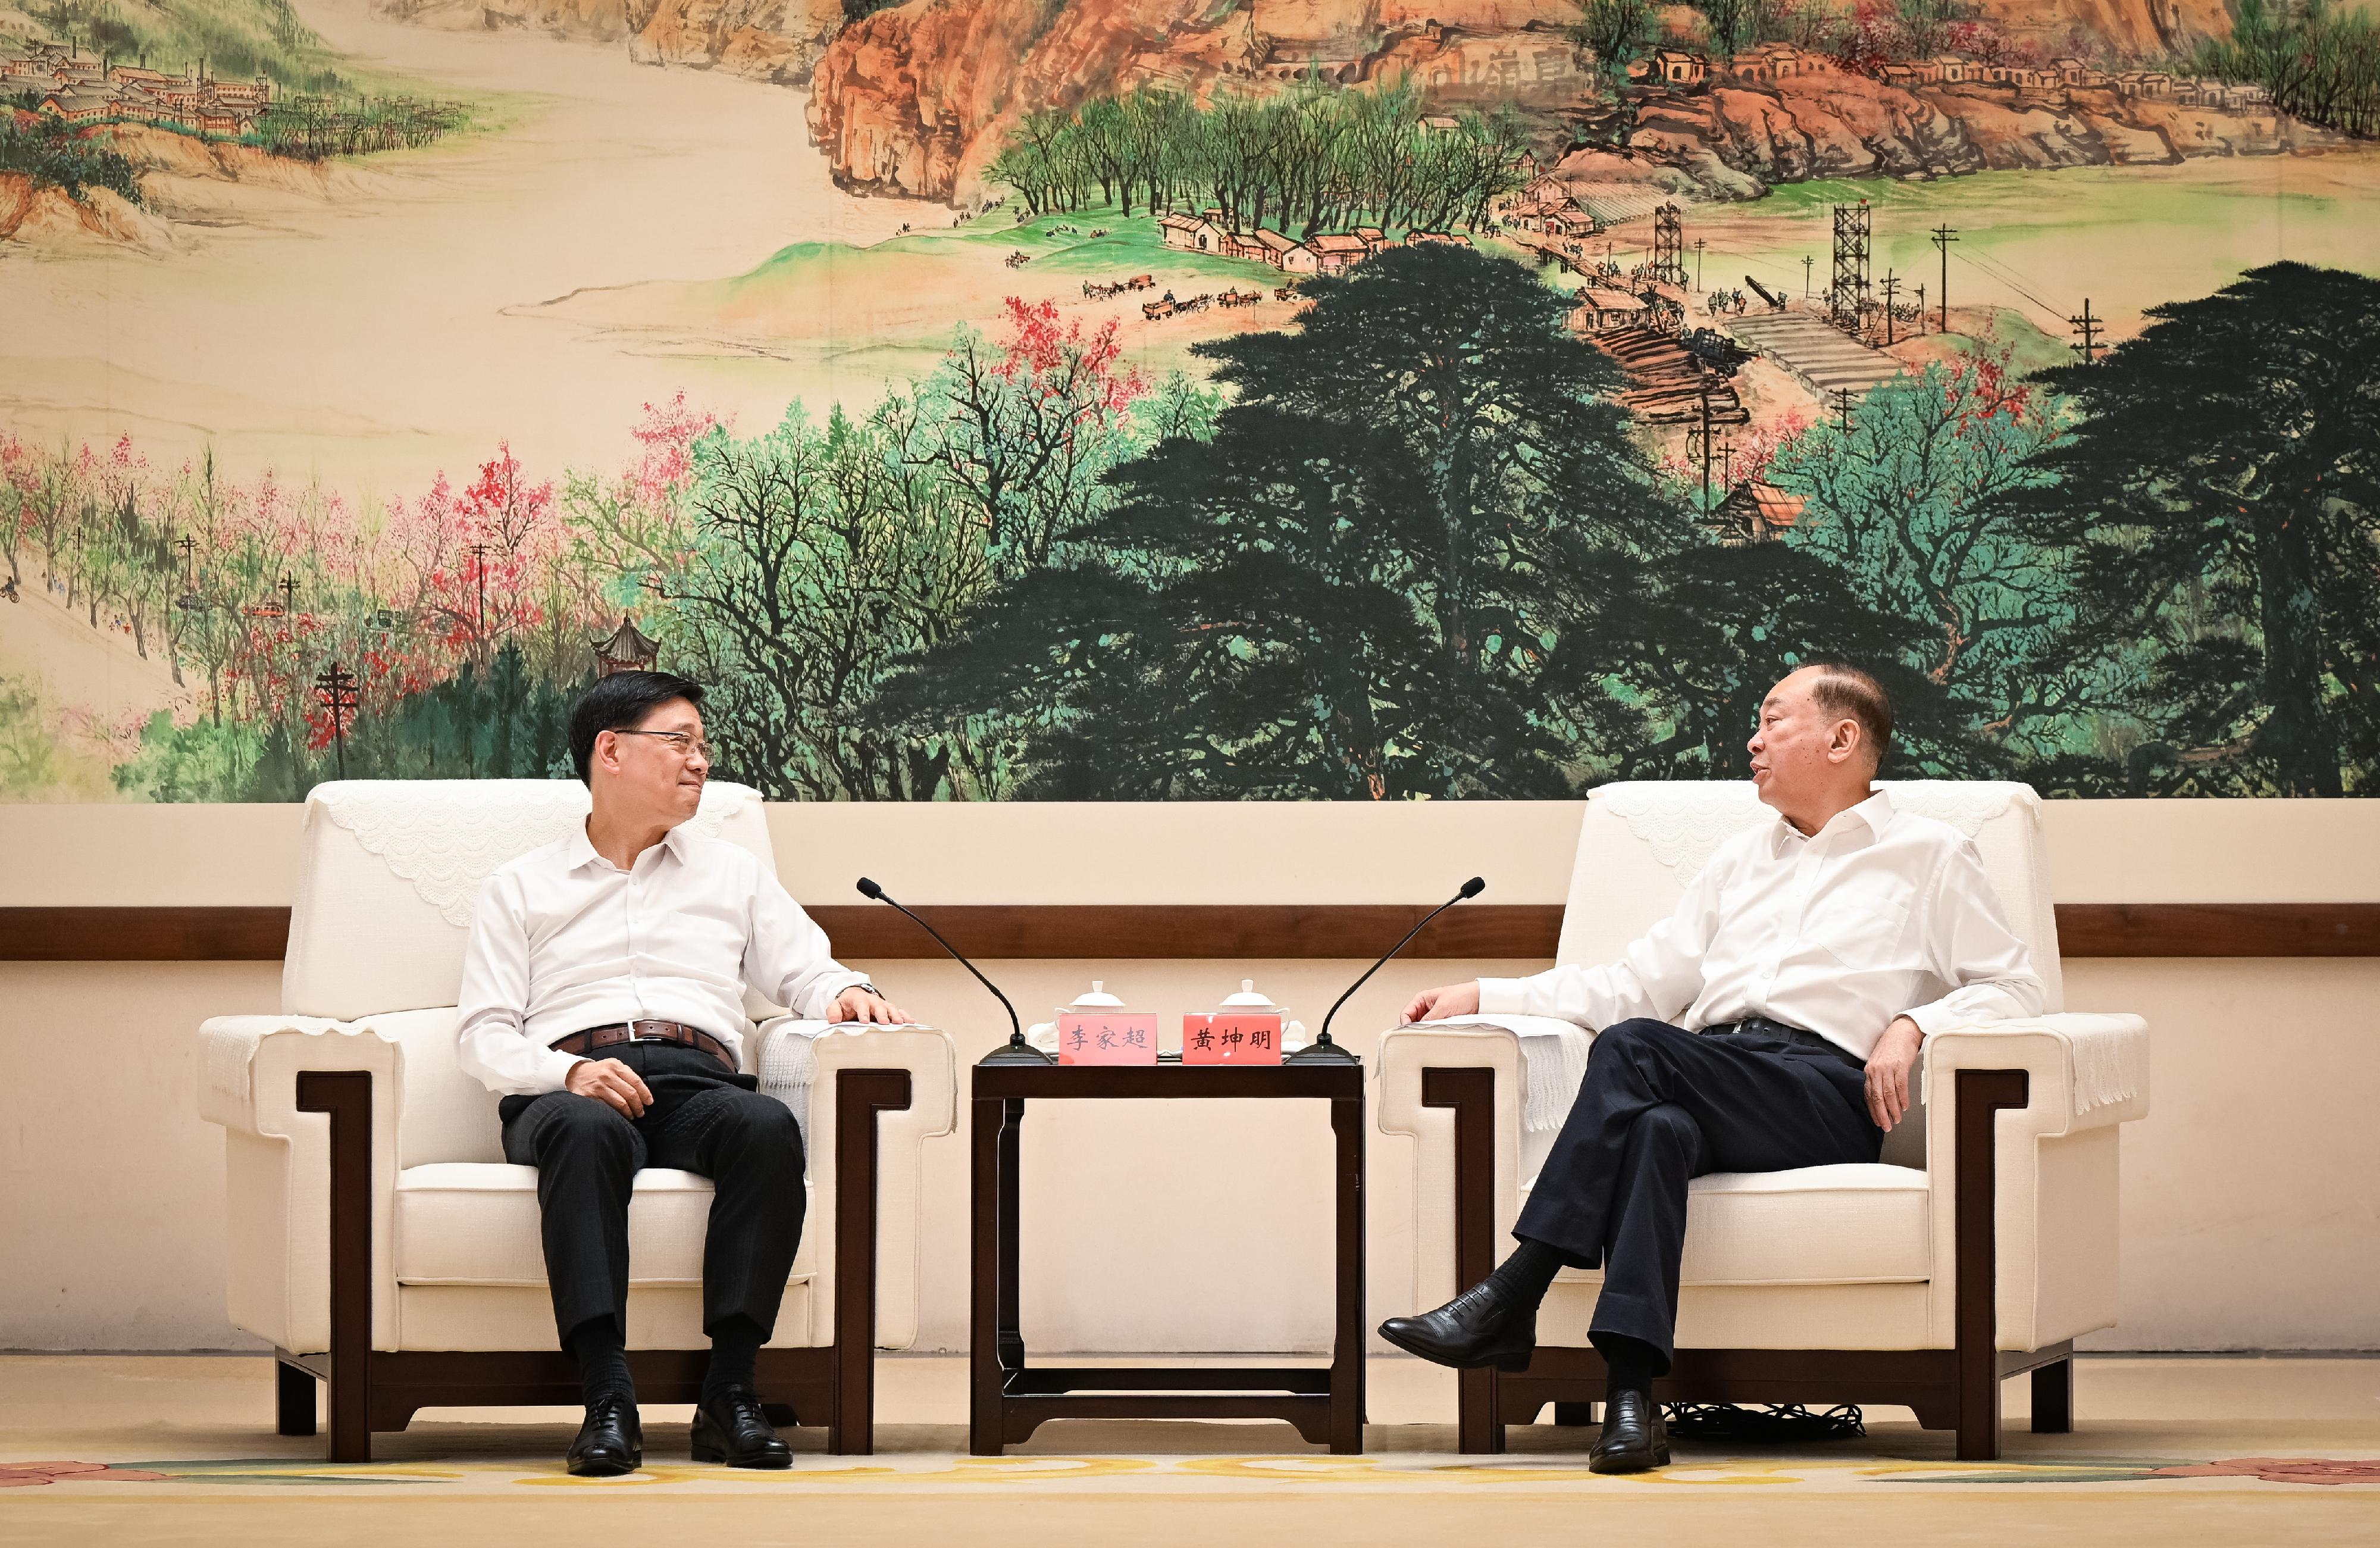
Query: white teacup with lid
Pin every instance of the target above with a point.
(1250, 1001)
(1044, 1034)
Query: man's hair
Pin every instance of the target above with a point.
(1845, 692)
(621, 702)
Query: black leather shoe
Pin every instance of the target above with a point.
(611, 1442)
(1483, 1326)
(733, 1430)
(1635, 1439)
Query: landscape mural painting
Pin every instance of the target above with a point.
(1331, 399)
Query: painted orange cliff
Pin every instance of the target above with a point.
(915, 100)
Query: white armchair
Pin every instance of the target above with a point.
(1980, 1246)
(379, 1241)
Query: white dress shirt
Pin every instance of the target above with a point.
(564, 940)
(1878, 914)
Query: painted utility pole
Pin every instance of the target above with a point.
(1842, 405)
(479, 563)
(2090, 328)
(1706, 439)
(1892, 294)
(1944, 236)
(336, 686)
(1806, 262)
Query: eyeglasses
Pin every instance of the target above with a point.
(688, 745)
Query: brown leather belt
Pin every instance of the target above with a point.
(678, 1032)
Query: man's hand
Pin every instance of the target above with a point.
(1437, 1005)
(857, 1005)
(611, 1081)
(1888, 1072)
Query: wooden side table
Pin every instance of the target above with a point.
(1008, 1399)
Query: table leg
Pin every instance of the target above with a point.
(1347, 1350)
(1011, 1337)
(985, 1190)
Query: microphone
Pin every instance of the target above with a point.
(1323, 1050)
(1018, 1051)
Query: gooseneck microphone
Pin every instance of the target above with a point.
(1323, 1049)
(1017, 1051)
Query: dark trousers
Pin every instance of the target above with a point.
(1661, 1107)
(703, 1119)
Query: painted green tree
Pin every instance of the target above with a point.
(1902, 501)
(2221, 496)
(1421, 555)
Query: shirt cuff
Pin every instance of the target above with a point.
(553, 1070)
(831, 991)
(1503, 996)
(1932, 1019)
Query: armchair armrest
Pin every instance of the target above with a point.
(2086, 1069)
(2056, 1088)
(875, 1095)
(277, 1167)
(1456, 1090)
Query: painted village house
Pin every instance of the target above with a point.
(1757, 512)
(1601, 311)
(1679, 67)
(78, 104)
(1285, 252)
(1191, 233)
(1338, 250)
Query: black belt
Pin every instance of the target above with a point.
(593, 1038)
(1777, 1032)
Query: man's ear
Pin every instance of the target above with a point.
(1844, 744)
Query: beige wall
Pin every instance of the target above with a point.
(2249, 1193)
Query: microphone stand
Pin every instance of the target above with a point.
(1016, 1051)
(1322, 1051)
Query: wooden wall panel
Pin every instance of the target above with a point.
(870, 932)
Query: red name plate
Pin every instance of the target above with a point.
(1231, 1039)
(1107, 1039)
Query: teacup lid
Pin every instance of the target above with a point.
(1098, 999)
(1248, 999)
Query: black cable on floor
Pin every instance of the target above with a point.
(1763, 1424)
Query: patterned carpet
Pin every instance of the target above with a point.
(161, 1450)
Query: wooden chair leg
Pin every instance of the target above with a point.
(292, 1400)
(346, 1096)
(1472, 1093)
(2053, 1398)
(859, 1096)
(1574, 1413)
(1479, 1427)
(1981, 1095)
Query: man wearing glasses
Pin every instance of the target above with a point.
(603, 1000)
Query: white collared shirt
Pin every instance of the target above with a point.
(564, 940)
(1878, 914)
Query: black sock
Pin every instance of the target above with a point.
(1529, 1271)
(1633, 1364)
(734, 1350)
(602, 1357)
